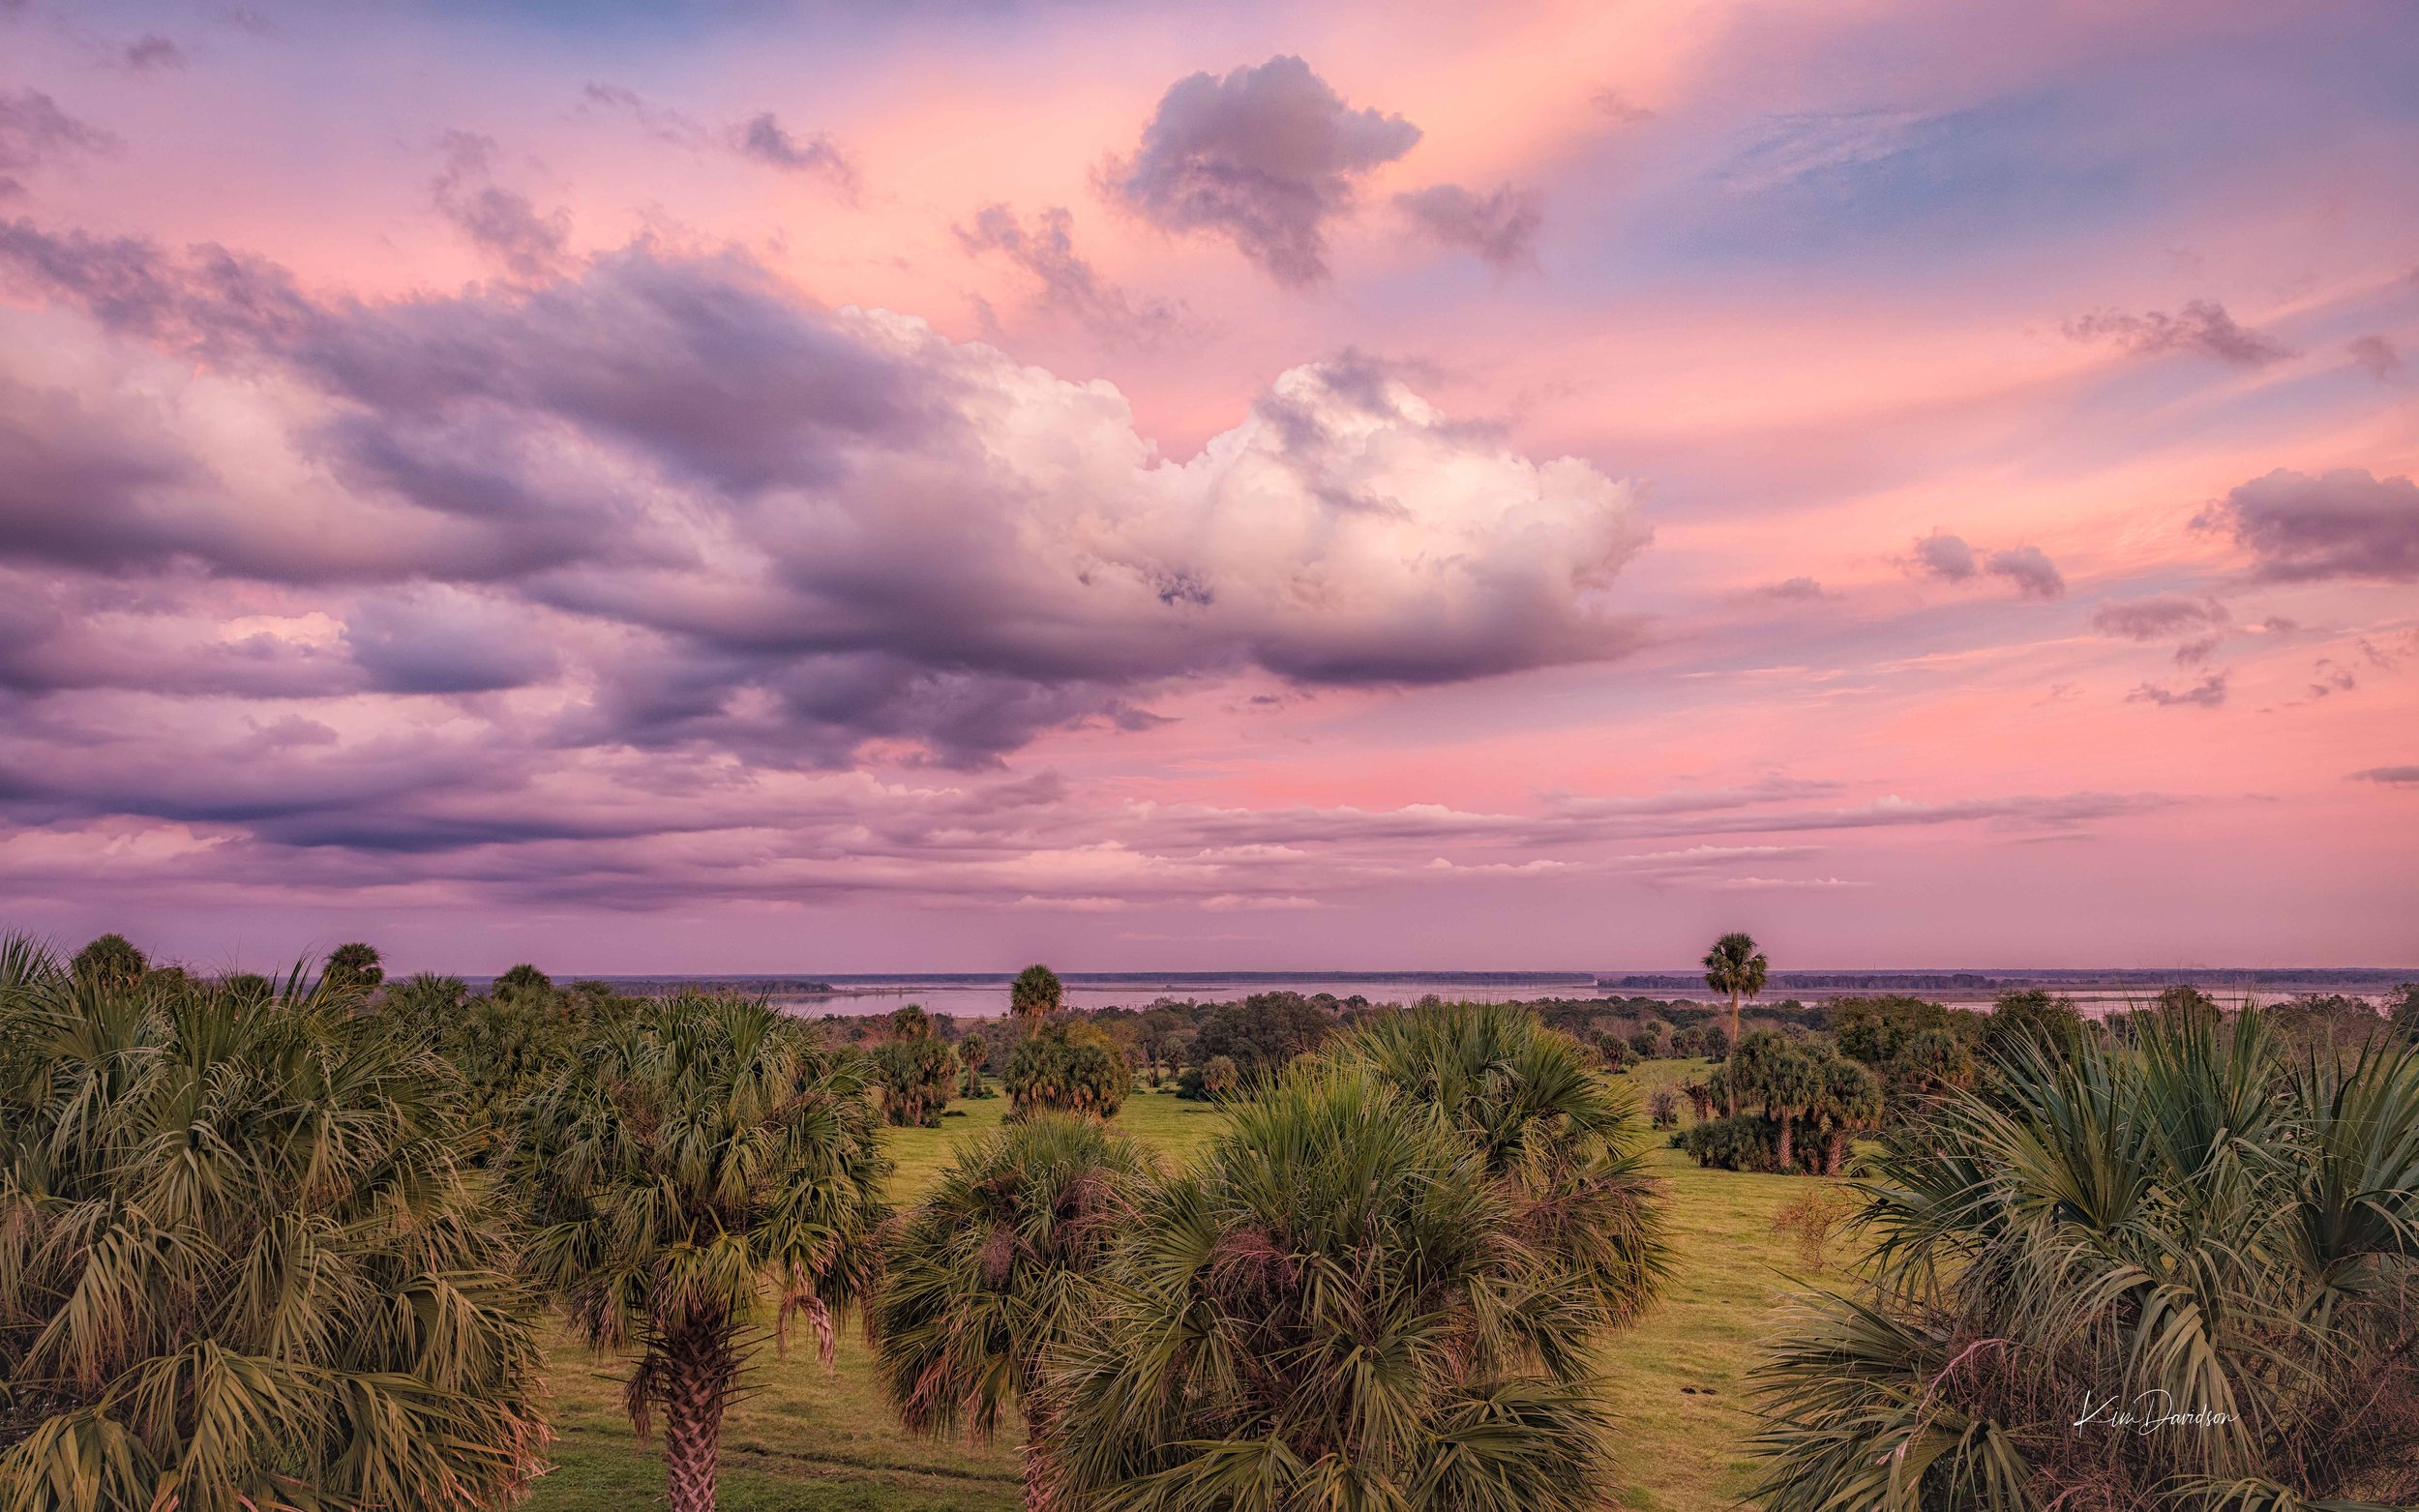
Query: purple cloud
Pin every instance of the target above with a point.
(34, 129)
(2207, 693)
(2345, 523)
(2201, 327)
(763, 137)
(2030, 569)
(503, 224)
(2155, 618)
(1944, 556)
(1045, 250)
(1266, 157)
(1500, 227)
(733, 495)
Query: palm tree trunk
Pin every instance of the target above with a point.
(1734, 1049)
(1836, 1153)
(1785, 1161)
(1036, 1463)
(700, 1362)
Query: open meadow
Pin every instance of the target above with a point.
(810, 1439)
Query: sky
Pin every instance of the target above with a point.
(792, 488)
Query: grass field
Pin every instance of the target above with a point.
(808, 1439)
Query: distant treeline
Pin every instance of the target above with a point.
(2272, 979)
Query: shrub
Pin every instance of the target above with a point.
(1664, 1108)
(1811, 1218)
(1749, 1141)
(1070, 1067)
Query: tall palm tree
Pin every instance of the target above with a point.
(1336, 1308)
(1734, 966)
(693, 1165)
(989, 1271)
(1035, 993)
(2195, 1229)
(240, 1266)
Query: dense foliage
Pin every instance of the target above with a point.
(1036, 993)
(916, 1074)
(700, 1161)
(240, 1266)
(1337, 1308)
(989, 1271)
(1068, 1066)
(2188, 1225)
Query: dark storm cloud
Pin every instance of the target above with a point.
(2201, 327)
(1266, 157)
(2345, 523)
(1500, 228)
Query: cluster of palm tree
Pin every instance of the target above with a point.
(2177, 1268)
(241, 1262)
(1789, 1088)
(1380, 1287)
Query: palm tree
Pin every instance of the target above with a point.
(2195, 1228)
(693, 1165)
(1036, 993)
(110, 957)
(1848, 1102)
(240, 1264)
(989, 1271)
(1734, 966)
(1336, 1308)
(1562, 1142)
(354, 967)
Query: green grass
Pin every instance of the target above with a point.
(812, 1441)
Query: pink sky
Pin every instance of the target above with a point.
(759, 487)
